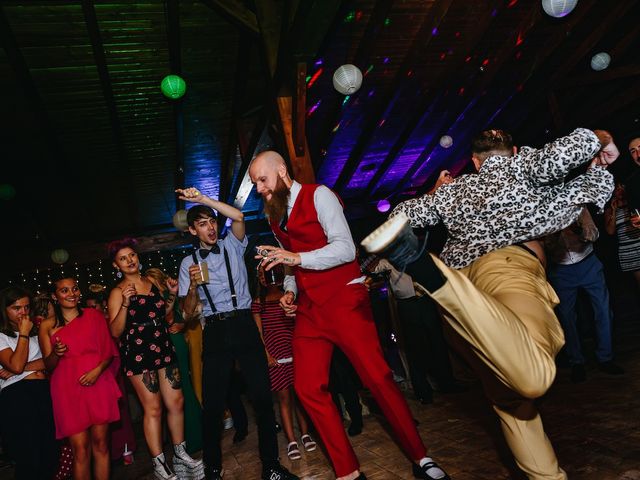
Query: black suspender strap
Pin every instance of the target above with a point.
(227, 264)
(234, 301)
(204, 285)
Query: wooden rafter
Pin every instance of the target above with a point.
(175, 59)
(91, 20)
(420, 43)
(432, 21)
(435, 91)
(367, 45)
(229, 154)
(235, 12)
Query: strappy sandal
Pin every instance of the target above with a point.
(293, 452)
(307, 441)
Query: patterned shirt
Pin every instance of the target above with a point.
(513, 199)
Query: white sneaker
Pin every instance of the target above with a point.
(161, 470)
(186, 468)
(394, 240)
(385, 234)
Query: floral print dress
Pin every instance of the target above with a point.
(145, 345)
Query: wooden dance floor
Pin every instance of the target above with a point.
(594, 426)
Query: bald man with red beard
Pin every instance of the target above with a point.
(331, 304)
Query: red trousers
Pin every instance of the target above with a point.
(347, 322)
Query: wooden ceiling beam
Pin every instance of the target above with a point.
(420, 44)
(236, 13)
(91, 21)
(367, 45)
(600, 77)
(618, 10)
(175, 60)
(430, 97)
(234, 140)
(477, 85)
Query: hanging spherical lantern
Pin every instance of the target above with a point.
(558, 8)
(600, 61)
(59, 256)
(446, 141)
(173, 86)
(7, 192)
(383, 205)
(347, 79)
(180, 220)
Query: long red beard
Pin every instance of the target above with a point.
(276, 207)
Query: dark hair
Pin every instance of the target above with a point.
(97, 296)
(197, 212)
(40, 305)
(492, 142)
(56, 306)
(115, 246)
(8, 296)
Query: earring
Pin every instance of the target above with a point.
(140, 266)
(119, 274)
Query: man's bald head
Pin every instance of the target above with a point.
(269, 158)
(268, 171)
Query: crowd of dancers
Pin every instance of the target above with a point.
(63, 377)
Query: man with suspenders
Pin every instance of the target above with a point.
(230, 333)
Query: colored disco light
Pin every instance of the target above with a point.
(383, 205)
(346, 99)
(313, 109)
(314, 78)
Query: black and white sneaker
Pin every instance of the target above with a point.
(429, 471)
(277, 472)
(394, 240)
(161, 469)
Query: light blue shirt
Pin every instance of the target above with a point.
(218, 285)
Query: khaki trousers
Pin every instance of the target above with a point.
(499, 316)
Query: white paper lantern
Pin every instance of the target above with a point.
(59, 256)
(600, 61)
(347, 79)
(446, 141)
(558, 8)
(180, 220)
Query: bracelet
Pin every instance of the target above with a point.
(23, 336)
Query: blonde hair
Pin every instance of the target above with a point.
(157, 277)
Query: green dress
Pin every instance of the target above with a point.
(192, 407)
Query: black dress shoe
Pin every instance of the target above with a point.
(355, 428)
(578, 373)
(611, 368)
(426, 400)
(239, 436)
(422, 472)
(278, 427)
(361, 477)
(213, 473)
(277, 472)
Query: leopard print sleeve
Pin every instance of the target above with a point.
(553, 162)
(421, 211)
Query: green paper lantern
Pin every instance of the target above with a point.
(173, 86)
(7, 192)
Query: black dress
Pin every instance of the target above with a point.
(145, 344)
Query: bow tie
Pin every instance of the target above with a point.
(204, 252)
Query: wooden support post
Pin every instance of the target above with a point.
(300, 110)
(300, 164)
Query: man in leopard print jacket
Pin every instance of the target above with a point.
(490, 283)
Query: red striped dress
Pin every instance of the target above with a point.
(277, 330)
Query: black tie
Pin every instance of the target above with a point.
(283, 223)
(204, 252)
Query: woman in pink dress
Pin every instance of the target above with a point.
(80, 354)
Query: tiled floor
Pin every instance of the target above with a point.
(594, 426)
